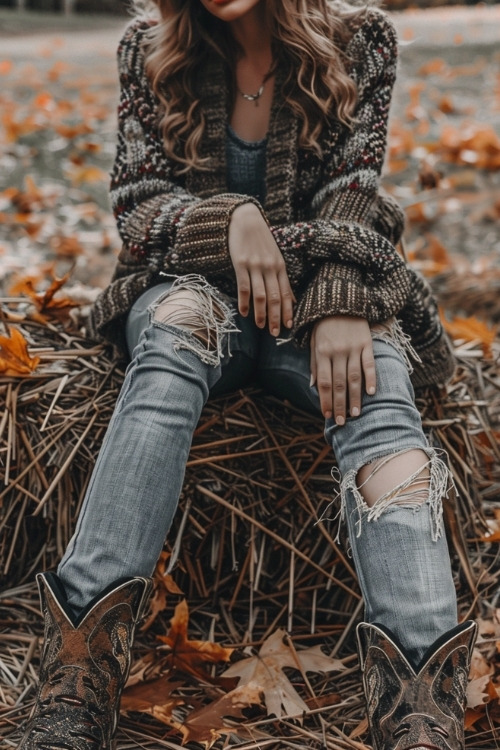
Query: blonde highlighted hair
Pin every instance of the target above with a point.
(308, 40)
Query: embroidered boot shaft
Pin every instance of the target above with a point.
(419, 708)
(84, 665)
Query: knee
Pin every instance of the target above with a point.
(195, 307)
(396, 479)
(405, 480)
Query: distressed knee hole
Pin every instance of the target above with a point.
(194, 306)
(398, 479)
(183, 310)
(426, 487)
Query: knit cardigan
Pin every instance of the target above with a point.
(334, 228)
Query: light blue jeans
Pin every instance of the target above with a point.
(398, 547)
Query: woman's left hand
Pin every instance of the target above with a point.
(341, 359)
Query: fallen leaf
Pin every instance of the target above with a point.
(477, 692)
(164, 584)
(82, 174)
(5, 67)
(15, 359)
(46, 304)
(471, 329)
(191, 656)
(432, 67)
(266, 670)
(207, 724)
(154, 698)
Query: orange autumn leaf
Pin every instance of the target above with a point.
(163, 577)
(59, 67)
(44, 100)
(164, 584)
(446, 105)
(433, 67)
(471, 716)
(5, 67)
(471, 329)
(66, 246)
(475, 144)
(15, 127)
(72, 131)
(47, 306)
(434, 256)
(83, 174)
(15, 359)
(191, 656)
(27, 200)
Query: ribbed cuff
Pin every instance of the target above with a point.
(340, 290)
(202, 234)
(335, 290)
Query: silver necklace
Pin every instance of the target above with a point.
(255, 97)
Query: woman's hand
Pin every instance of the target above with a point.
(341, 359)
(260, 269)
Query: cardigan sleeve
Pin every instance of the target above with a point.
(164, 228)
(351, 268)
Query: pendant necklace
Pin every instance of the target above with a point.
(255, 97)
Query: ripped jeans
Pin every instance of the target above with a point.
(398, 546)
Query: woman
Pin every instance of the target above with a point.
(245, 187)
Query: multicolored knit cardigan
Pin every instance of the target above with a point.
(334, 229)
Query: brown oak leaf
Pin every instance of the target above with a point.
(191, 656)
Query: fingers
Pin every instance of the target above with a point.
(354, 381)
(324, 384)
(260, 269)
(369, 372)
(339, 386)
(272, 299)
(313, 359)
(244, 291)
(287, 298)
(342, 363)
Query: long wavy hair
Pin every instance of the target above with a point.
(308, 39)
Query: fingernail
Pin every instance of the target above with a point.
(311, 381)
(355, 411)
(289, 323)
(328, 414)
(340, 421)
(371, 390)
(275, 331)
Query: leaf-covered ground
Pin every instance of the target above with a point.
(57, 131)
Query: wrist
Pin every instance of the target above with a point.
(246, 212)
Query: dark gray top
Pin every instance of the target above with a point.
(246, 166)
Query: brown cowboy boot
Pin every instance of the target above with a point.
(84, 665)
(416, 708)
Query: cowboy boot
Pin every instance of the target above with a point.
(416, 707)
(84, 665)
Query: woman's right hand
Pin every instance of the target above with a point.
(260, 269)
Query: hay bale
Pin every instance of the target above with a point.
(257, 481)
(246, 549)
